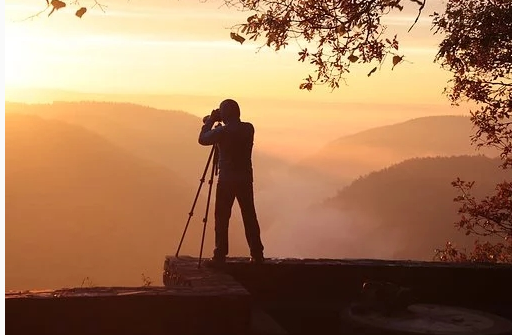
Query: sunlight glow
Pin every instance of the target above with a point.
(20, 57)
(184, 48)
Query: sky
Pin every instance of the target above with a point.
(183, 47)
(172, 47)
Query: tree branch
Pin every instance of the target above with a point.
(422, 5)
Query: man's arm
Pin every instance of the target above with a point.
(209, 136)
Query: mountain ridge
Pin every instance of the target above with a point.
(357, 154)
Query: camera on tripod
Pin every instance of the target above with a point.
(214, 116)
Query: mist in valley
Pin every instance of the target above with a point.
(102, 190)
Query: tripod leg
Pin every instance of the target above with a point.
(205, 219)
(191, 213)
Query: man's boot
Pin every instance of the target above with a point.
(257, 259)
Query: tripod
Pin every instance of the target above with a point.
(214, 155)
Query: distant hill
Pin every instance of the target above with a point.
(79, 206)
(406, 210)
(355, 155)
(166, 137)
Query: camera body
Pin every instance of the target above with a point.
(214, 116)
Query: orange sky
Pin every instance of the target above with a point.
(171, 46)
(183, 47)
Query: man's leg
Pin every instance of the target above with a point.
(224, 199)
(245, 197)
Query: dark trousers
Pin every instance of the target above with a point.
(225, 196)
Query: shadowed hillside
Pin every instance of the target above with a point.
(78, 206)
(352, 156)
(166, 137)
(407, 210)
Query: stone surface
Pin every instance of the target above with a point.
(211, 304)
(187, 274)
(435, 319)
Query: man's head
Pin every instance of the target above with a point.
(229, 111)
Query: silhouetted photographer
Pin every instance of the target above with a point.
(234, 140)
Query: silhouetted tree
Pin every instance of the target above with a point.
(332, 34)
(490, 217)
(477, 49)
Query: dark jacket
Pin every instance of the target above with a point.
(235, 141)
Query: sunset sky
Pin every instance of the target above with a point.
(183, 47)
(171, 47)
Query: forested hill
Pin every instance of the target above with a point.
(410, 205)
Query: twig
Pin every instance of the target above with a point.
(419, 12)
(102, 7)
(37, 14)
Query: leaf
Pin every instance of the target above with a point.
(306, 86)
(237, 38)
(81, 12)
(251, 18)
(57, 4)
(372, 71)
(396, 60)
(353, 58)
(341, 29)
(303, 54)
